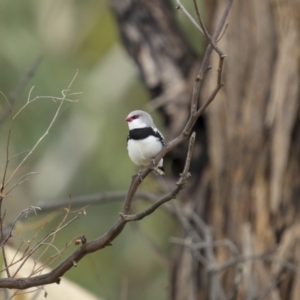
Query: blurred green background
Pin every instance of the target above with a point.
(85, 150)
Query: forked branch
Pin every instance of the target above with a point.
(116, 229)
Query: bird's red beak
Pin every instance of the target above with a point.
(128, 119)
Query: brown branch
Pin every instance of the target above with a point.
(180, 6)
(206, 34)
(195, 114)
(86, 200)
(39, 244)
(179, 186)
(151, 209)
(100, 242)
(117, 228)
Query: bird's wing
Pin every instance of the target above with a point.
(159, 135)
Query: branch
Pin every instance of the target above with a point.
(63, 99)
(92, 246)
(106, 239)
(263, 256)
(11, 227)
(42, 242)
(86, 200)
(14, 95)
(95, 199)
(180, 6)
(179, 186)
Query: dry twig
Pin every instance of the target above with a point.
(116, 229)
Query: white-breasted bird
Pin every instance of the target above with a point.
(144, 140)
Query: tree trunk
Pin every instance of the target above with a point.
(246, 165)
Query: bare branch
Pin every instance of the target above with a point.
(45, 133)
(180, 6)
(25, 211)
(179, 186)
(7, 153)
(22, 179)
(54, 232)
(195, 114)
(102, 198)
(14, 95)
(200, 245)
(116, 229)
(54, 99)
(263, 256)
(201, 28)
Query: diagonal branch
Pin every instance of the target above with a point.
(106, 239)
(179, 186)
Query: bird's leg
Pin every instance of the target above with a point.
(156, 169)
(139, 173)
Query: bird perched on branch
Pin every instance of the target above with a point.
(144, 140)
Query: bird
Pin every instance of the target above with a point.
(144, 140)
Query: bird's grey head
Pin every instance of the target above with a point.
(139, 119)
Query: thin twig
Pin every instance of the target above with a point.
(16, 155)
(39, 244)
(54, 99)
(14, 95)
(271, 287)
(26, 210)
(64, 93)
(201, 245)
(2, 248)
(106, 239)
(201, 28)
(67, 210)
(7, 158)
(22, 179)
(50, 260)
(262, 256)
(181, 7)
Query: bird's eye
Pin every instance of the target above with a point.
(135, 117)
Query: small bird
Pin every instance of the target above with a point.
(144, 140)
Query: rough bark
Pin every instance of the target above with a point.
(254, 139)
(247, 157)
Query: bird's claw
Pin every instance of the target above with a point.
(156, 169)
(139, 175)
(153, 162)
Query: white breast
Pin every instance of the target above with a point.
(141, 152)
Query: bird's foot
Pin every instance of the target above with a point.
(139, 174)
(157, 169)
